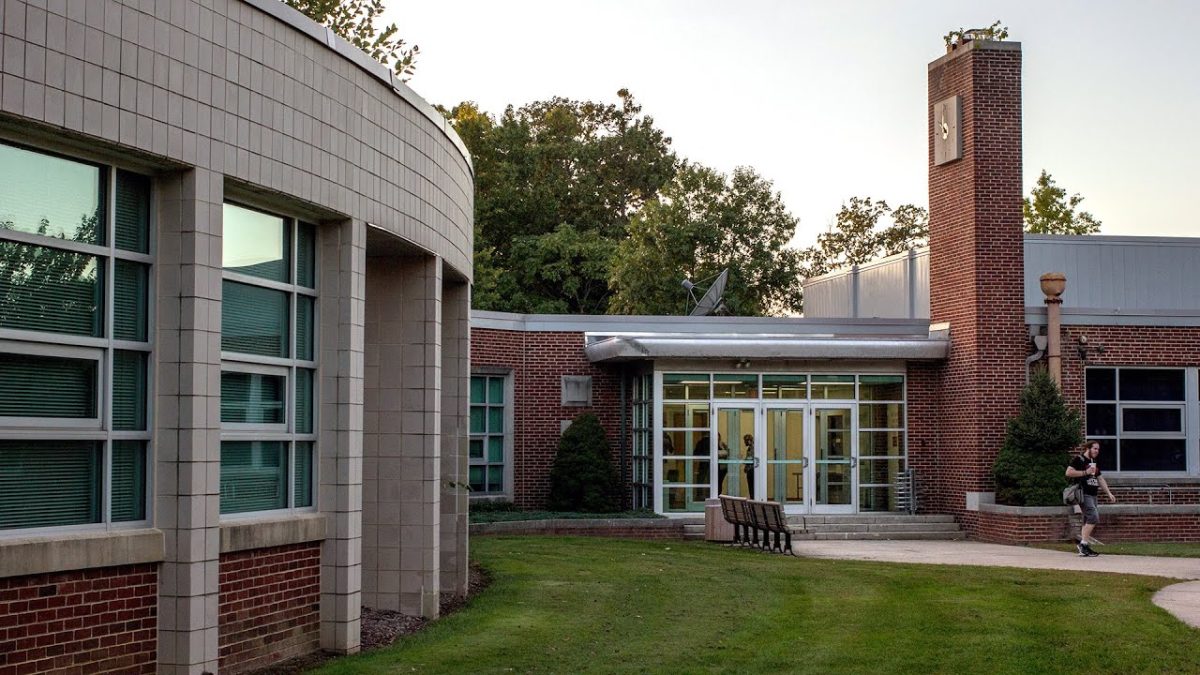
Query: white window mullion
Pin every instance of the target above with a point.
(1191, 423)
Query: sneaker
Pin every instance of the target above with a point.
(1082, 548)
(1089, 552)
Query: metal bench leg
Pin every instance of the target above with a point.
(788, 536)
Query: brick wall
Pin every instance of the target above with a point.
(537, 361)
(94, 621)
(976, 268)
(1004, 528)
(269, 605)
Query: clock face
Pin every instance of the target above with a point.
(947, 140)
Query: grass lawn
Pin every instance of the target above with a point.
(1168, 550)
(578, 605)
(496, 516)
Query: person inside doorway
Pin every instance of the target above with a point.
(1085, 470)
(748, 465)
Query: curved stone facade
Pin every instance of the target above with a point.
(252, 90)
(272, 272)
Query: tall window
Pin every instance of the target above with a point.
(489, 437)
(75, 261)
(881, 445)
(268, 362)
(642, 441)
(1137, 414)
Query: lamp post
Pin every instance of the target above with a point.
(1053, 285)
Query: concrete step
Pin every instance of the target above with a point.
(693, 530)
(870, 518)
(881, 527)
(880, 536)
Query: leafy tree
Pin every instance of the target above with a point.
(857, 237)
(557, 178)
(354, 20)
(49, 286)
(583, 477)
(704, 222)
(1048, 210)
(994, 32)
(1029, 467)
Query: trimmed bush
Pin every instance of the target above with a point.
(1029, 468)
(583, 477)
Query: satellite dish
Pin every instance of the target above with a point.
(713, 300)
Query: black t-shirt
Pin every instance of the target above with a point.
(1090, 484)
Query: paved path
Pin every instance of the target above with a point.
(1182, 600)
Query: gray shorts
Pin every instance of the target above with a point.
(1091, 514)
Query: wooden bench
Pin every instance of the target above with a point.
(769, 518)
(750, 518)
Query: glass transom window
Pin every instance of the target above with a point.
(75, 271)
(268, 362)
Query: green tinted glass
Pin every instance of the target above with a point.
(476, 451)
(495, 423)
(49, 483)
(131, 282)
(252, 398)
(304, 401)
(496, 390)
(304, 327)
(132, 213)
(129, 391)
(51, 196)
(304, 475)
(495, 482)
(306, 255)
(495, 448)
(44, 386)
(128, 481)
(254, 320)
(477, 483)
(478, 389)
(478, 419)
(253, 476)
(255, 243)
(48, 289)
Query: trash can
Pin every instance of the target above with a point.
(716, 528)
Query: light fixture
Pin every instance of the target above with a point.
(1085, 348)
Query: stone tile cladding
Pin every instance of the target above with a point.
(223, 86)
(102, 620)
(976, 271)
(269, 605)
(537, 361)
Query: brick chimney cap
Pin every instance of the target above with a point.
(974, 46)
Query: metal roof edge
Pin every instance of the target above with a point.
(739, 325)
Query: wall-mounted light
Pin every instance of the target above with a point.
(1086, 348)
(743, 363)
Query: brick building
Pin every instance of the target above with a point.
(903, 372)
(235, 257)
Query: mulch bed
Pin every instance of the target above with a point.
(381, 627)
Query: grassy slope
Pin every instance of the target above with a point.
(566, 605)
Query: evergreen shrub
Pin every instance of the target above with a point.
(583, 477)
(1030, 466)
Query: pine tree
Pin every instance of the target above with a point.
(1029, 468)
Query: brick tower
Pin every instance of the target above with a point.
(976, 260)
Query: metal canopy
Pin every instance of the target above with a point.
(612, 348)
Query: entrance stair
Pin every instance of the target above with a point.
(885, 526)
(869, 526)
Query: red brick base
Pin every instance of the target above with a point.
(269, 605)
(1004, 528)
(93, 621)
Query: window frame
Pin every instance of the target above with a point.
(286, 367)
(100, 349)
(1188, 407)
(509, 407)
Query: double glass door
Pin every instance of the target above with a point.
(802, 456)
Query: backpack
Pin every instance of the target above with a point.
(1072, 495)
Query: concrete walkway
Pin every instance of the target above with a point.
(1182, 600)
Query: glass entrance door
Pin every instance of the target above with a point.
(737, 460)
(833, 459)
(785, 457)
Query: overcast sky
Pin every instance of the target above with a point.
(827, 99)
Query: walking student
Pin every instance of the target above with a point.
(1085, 470)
